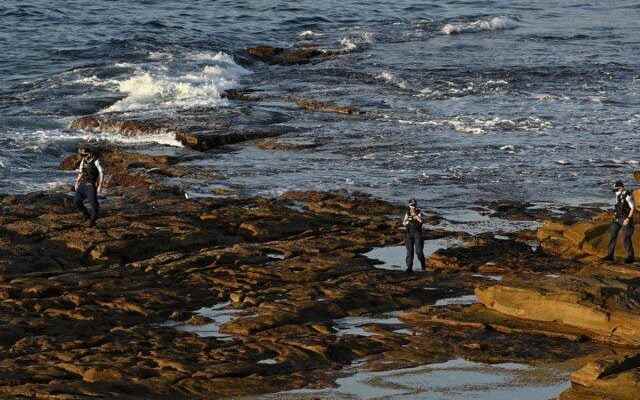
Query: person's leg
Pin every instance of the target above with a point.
(628, 242)
(409, 245)
(419, 248)
(613, 238)
(92, 197)
(78, 201)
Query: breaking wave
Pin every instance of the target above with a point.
(356, 41)
(159, 88)
(481, 25)
(309, 34)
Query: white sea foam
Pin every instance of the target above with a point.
(309, 34)
(95, 81)
(160, 55)
(38, 138)
(481, 25)
(124, 65)
(391, 78)
(158, 88)
(479, 126)
(458, 89)
(508, 148)
(356, 41)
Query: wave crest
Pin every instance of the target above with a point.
(159, 88)
(481, 25)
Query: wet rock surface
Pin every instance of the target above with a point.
(323, 106)
(291, 56)
(169, 297)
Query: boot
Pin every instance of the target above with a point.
(608, 258)
(629, 260)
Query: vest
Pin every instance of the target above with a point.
(413, 224)
(89, 172)
(622, 209)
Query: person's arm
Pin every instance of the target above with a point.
(75, 185)
(405, 220)
(100, 176)
(631, 207)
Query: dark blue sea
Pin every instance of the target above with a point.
(465, 100)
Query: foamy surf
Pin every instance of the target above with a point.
(392, 79)
(480, 126)
(356, 41)
(309, 34)
(156, 87)
(481, 25)
(41, 137)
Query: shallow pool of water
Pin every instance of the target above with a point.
(463, 300)
(456, 379)
(393, 257)
(219, 314)
(497, 278)
(355, 325)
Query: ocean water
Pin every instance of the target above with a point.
(465, 100)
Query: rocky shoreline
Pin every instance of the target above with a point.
(170, 297)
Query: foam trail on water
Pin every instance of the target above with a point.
(481, 25)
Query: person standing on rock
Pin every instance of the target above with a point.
(623, 220)
(413, 220)
(88, 184)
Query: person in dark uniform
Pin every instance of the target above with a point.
(622, 220)
(88, 184)
(413, 220)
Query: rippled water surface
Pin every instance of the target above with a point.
(465, 100)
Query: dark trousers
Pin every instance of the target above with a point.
(87, 191)
(627, 231)
(414, 243)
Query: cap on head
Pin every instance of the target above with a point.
(618, 185)
(413, 202)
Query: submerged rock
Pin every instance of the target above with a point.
(288, 145)
(208, 140)
(323, 106)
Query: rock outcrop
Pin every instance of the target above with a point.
(607, 309)
(585, 239)
(128, 169)
(86, 310)
(200, 130)
(169, 297)
(610, 378)
(282, 56)
(323, 106)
